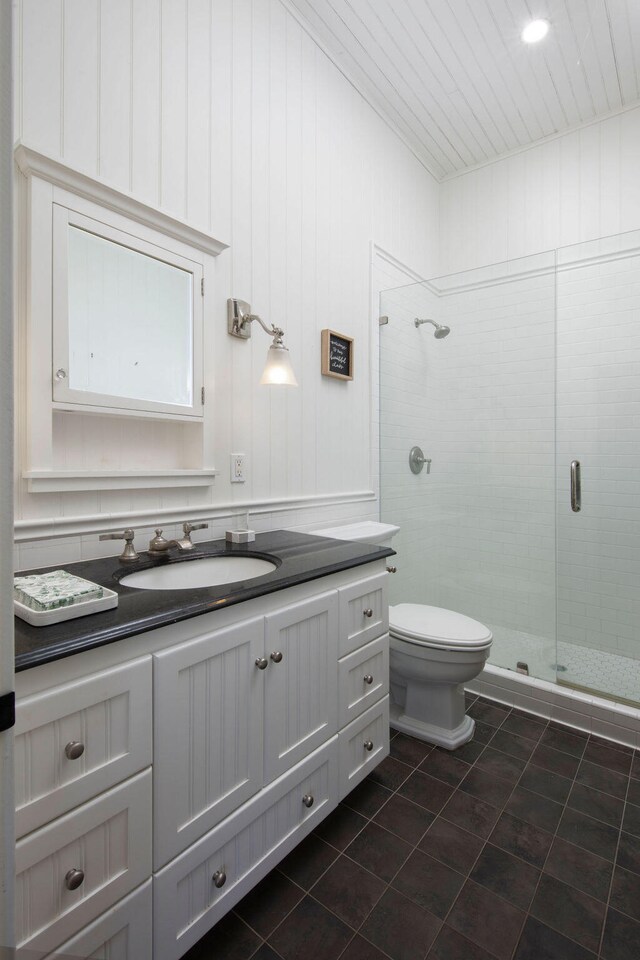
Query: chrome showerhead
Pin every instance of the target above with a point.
(440, 331)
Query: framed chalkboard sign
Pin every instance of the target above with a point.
(337, 355)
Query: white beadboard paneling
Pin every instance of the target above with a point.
(114, 158)
(145, 101)
(174, 107)
(81, 65)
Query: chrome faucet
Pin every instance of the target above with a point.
(129, 553)
(159, 545)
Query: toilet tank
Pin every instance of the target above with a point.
(367, 531)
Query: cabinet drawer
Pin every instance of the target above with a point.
(122, 933)
(363, 678)
(108, 839)
(356, 761)
(244, 848)
(364, 612)
(106, 715)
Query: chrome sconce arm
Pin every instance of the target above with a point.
(278, 369)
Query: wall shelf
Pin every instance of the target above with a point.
(69, 481)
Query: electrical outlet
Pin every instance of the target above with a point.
(238, 468)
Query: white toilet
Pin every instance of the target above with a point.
(433, 653)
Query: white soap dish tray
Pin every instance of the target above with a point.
(43, 618)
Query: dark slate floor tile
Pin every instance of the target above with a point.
(469, 752)
(390, 773)
(451, 945)
(631, 820)
(582, 734)
(500, 764)
(608, 756)
(265, 953)
(621, 939)
(510, 743)
(471, 814)
(404, 818)
(522, 839)
(593, 775)
(269, 902)
(600, 806)
(629, 852)
(429, 883)
(445, 766)
(564, 741)
(483, 733)
(534, 809)
(409, 750)
(486, 786)
(485, 919)
(451, 845)
(612, 744)
(625, 893)
(579, 868)
(361, 949)
(554, 760)
(367, 798)
(491, 714)
(231, 938)
(340, 827)
(426, 790)
(379, 851)
(400, 928)
(633, 796)
(308, 861)
(545, 783)
(524, 726)
(310, 931)
(349, 891)
(511, 878)
(635, 765)
(570, 912)
(540, 942)
(593, 835)
(469, 698)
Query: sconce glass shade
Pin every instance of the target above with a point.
(278, 369)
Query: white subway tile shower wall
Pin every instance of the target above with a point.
(478, 532)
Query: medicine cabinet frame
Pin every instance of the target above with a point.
(50, 195)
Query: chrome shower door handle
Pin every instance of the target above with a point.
(576, 490)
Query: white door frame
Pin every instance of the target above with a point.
(7, 837)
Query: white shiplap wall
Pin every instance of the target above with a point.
(578, 187)
(227, 114)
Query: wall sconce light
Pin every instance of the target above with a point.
(278, 369)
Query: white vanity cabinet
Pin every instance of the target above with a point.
(264, 715)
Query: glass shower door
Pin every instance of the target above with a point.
(598, 409)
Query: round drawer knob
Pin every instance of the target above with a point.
(73, 750)
(262, 663)
(276, 656)
(368, 612)
(368, 745)
(368, 678)
(308, 800)
(73, 879)
(392, 569)
(219, 878)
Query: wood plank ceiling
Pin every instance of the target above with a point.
(458, 83)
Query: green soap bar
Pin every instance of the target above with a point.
(48, 591)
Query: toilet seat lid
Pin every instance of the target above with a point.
(437, 626)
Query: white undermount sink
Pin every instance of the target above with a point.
(202, 572)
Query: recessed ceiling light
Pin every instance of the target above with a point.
(535, 31)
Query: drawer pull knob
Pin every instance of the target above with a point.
(262, 663)
(308, 800)
(276, 656)
(368, 678)
(73, 879)
(368, 612)
(73, 750)
(368, 745)
(219, 878)
(392, 569)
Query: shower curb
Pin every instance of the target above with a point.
(584, 711)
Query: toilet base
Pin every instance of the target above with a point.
(449, 739)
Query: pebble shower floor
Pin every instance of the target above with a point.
(523, 844)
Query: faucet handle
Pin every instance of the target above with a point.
(188, 527)
(129, 552)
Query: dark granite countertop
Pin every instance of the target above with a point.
(300, 558)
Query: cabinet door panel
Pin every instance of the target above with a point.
(207, 733)
(363, 678)
(301, 704)
(364, 612)
(363, 744)
(108, 713)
